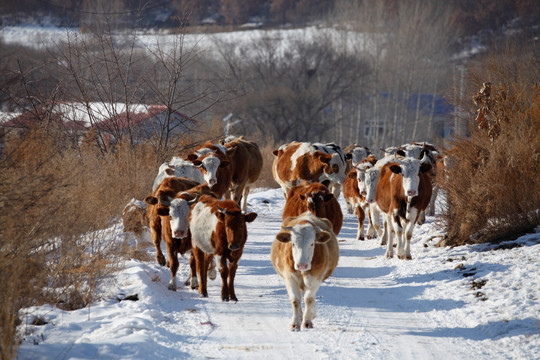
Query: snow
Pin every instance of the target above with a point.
(370, 308)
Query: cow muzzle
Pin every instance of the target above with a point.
(212, 182)
(234, 247)
(179, 234)
(411, 192)
(303, 267)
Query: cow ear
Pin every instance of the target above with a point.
(322, 236)
(250, 217)
(163, 211)
(326, 182)
(151, 200)
(275, 152)
(169, 171)
(232, 150)
(328, 197)
(325, 158)
(396, 169)
(348, 156)
(224, 163)
(192, 157)
(197, 163)
(352, 174)
(302, 197)
(283, 236)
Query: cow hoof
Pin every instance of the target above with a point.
(389, 256)
(234, 298)
(194, 286)
(295, 327)
(161, 260)
(361, 238)
(223, 298)
(171, 287)
(204, 295)
(212, 273)
(371, 237)
(307, 325)
(383, 243)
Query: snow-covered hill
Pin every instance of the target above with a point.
(469, 302)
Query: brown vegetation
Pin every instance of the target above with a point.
(492, 182)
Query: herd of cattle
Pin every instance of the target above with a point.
(199, 206)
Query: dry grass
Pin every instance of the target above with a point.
(493, 187)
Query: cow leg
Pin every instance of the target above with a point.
(395, 224)
(233, 265)
(192, 280)
(361, 217)
(312, 285)
(295, 296)
(201, 270)
(421, 218)
(371, 234)
(172, 259)
(224, 272)
(375, 218)
(408, 235)
(155, 232)
(245, 193)
(212, 267)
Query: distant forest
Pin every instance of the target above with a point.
(471, 16)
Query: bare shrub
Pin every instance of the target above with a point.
(492, 183)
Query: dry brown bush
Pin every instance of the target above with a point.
(492, 183)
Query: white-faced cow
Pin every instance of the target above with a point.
(317, 199)
(176, 208)
(298, 161)
(304, 253)
(213, 162)
(246, 164)
(331, 149)
(404, 189)
(218, 228)
(178, 167)
(160, 223)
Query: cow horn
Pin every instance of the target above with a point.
(221, 210)
(194, 200)
(425, 158)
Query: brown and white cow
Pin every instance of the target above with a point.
(298, 161)
(213, 162)
(317, 199)
(176, 208)
(304, 253)
(160, 224)
(177, 167)
(218, 228)
(246, 164)
(356, 153)
(404, 189)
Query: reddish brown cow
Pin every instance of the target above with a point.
(213, 161)
(246, 164)
(218, 228)
(403, 191)
(317, 199)
(135, 219)
(160, 225)
(298, 161)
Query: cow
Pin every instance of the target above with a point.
(304, 253)
(371, 178)
(299, 161)
(404, 189)
(246, 164)
(213, 162)
(218, 227)
(176, 208)
(317, 199)
(332, 148)
(360, 167)
(178, 167)
(357, 153)
(160, 225)
(135, 220)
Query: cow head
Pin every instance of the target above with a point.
(371, 180)
(178, 214)
(410, 168)
(316, 197)
(209, 165)
(234, 221)
(361, 176)
(303, 238)
(359, 153)
(332, 165)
